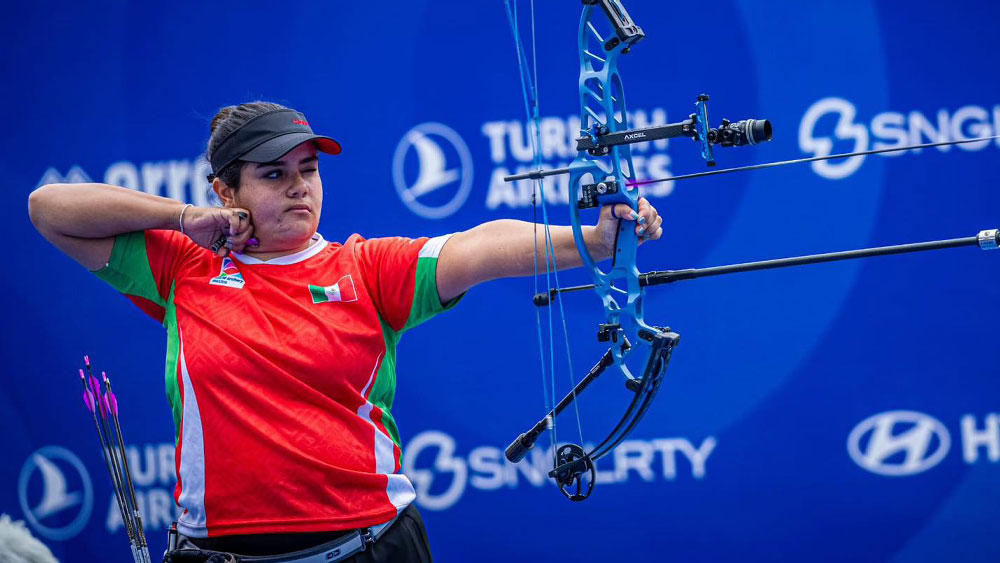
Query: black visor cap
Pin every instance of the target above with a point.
(267, 138)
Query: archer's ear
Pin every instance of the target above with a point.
(226, 193)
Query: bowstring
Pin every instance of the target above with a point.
(537, 143)
(529, 89)
(527, 94)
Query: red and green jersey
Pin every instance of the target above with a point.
(281, 375)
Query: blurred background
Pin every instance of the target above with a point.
(826, 413)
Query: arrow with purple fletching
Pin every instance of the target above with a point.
(88, 395)
(103, 408)
(112, 402)
(91, 402)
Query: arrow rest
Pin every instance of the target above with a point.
(590, 192)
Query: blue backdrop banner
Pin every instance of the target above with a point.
(839, 412)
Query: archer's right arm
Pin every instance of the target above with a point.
(82, 220)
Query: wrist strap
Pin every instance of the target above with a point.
(181, 220)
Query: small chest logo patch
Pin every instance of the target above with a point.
(342, 292)
(229, 276)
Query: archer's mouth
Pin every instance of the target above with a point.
(299, 209)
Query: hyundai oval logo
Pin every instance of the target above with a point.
(898, 443)
(432, 170)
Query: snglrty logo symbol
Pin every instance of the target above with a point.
(898, 443)
(55, 493)
(845, 129)
(425, 173)
(445, 461)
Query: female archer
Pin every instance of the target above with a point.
(280, 363)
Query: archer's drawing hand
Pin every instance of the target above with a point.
(648, 223)
(206, 226)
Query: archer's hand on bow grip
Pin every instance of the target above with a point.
(219, 229)
(648, 223)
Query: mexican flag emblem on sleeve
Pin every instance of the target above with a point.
(342, 291)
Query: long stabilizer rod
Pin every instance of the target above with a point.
(986, 240)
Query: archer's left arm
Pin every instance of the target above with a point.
(506, 248)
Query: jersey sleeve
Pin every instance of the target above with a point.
(401, 276)
(143, 266)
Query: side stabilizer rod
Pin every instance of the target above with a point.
(517, 449)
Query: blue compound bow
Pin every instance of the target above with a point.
(603, 174)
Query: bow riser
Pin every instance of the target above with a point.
(603, 111)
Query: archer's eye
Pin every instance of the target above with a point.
(273, 175)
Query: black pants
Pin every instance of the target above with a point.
(404, 542)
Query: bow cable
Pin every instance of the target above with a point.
(529, 89)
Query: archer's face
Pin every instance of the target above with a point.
(284, 198)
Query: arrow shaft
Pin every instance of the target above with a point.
(538, 174)
(810, 159)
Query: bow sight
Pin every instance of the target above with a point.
(598, 140)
